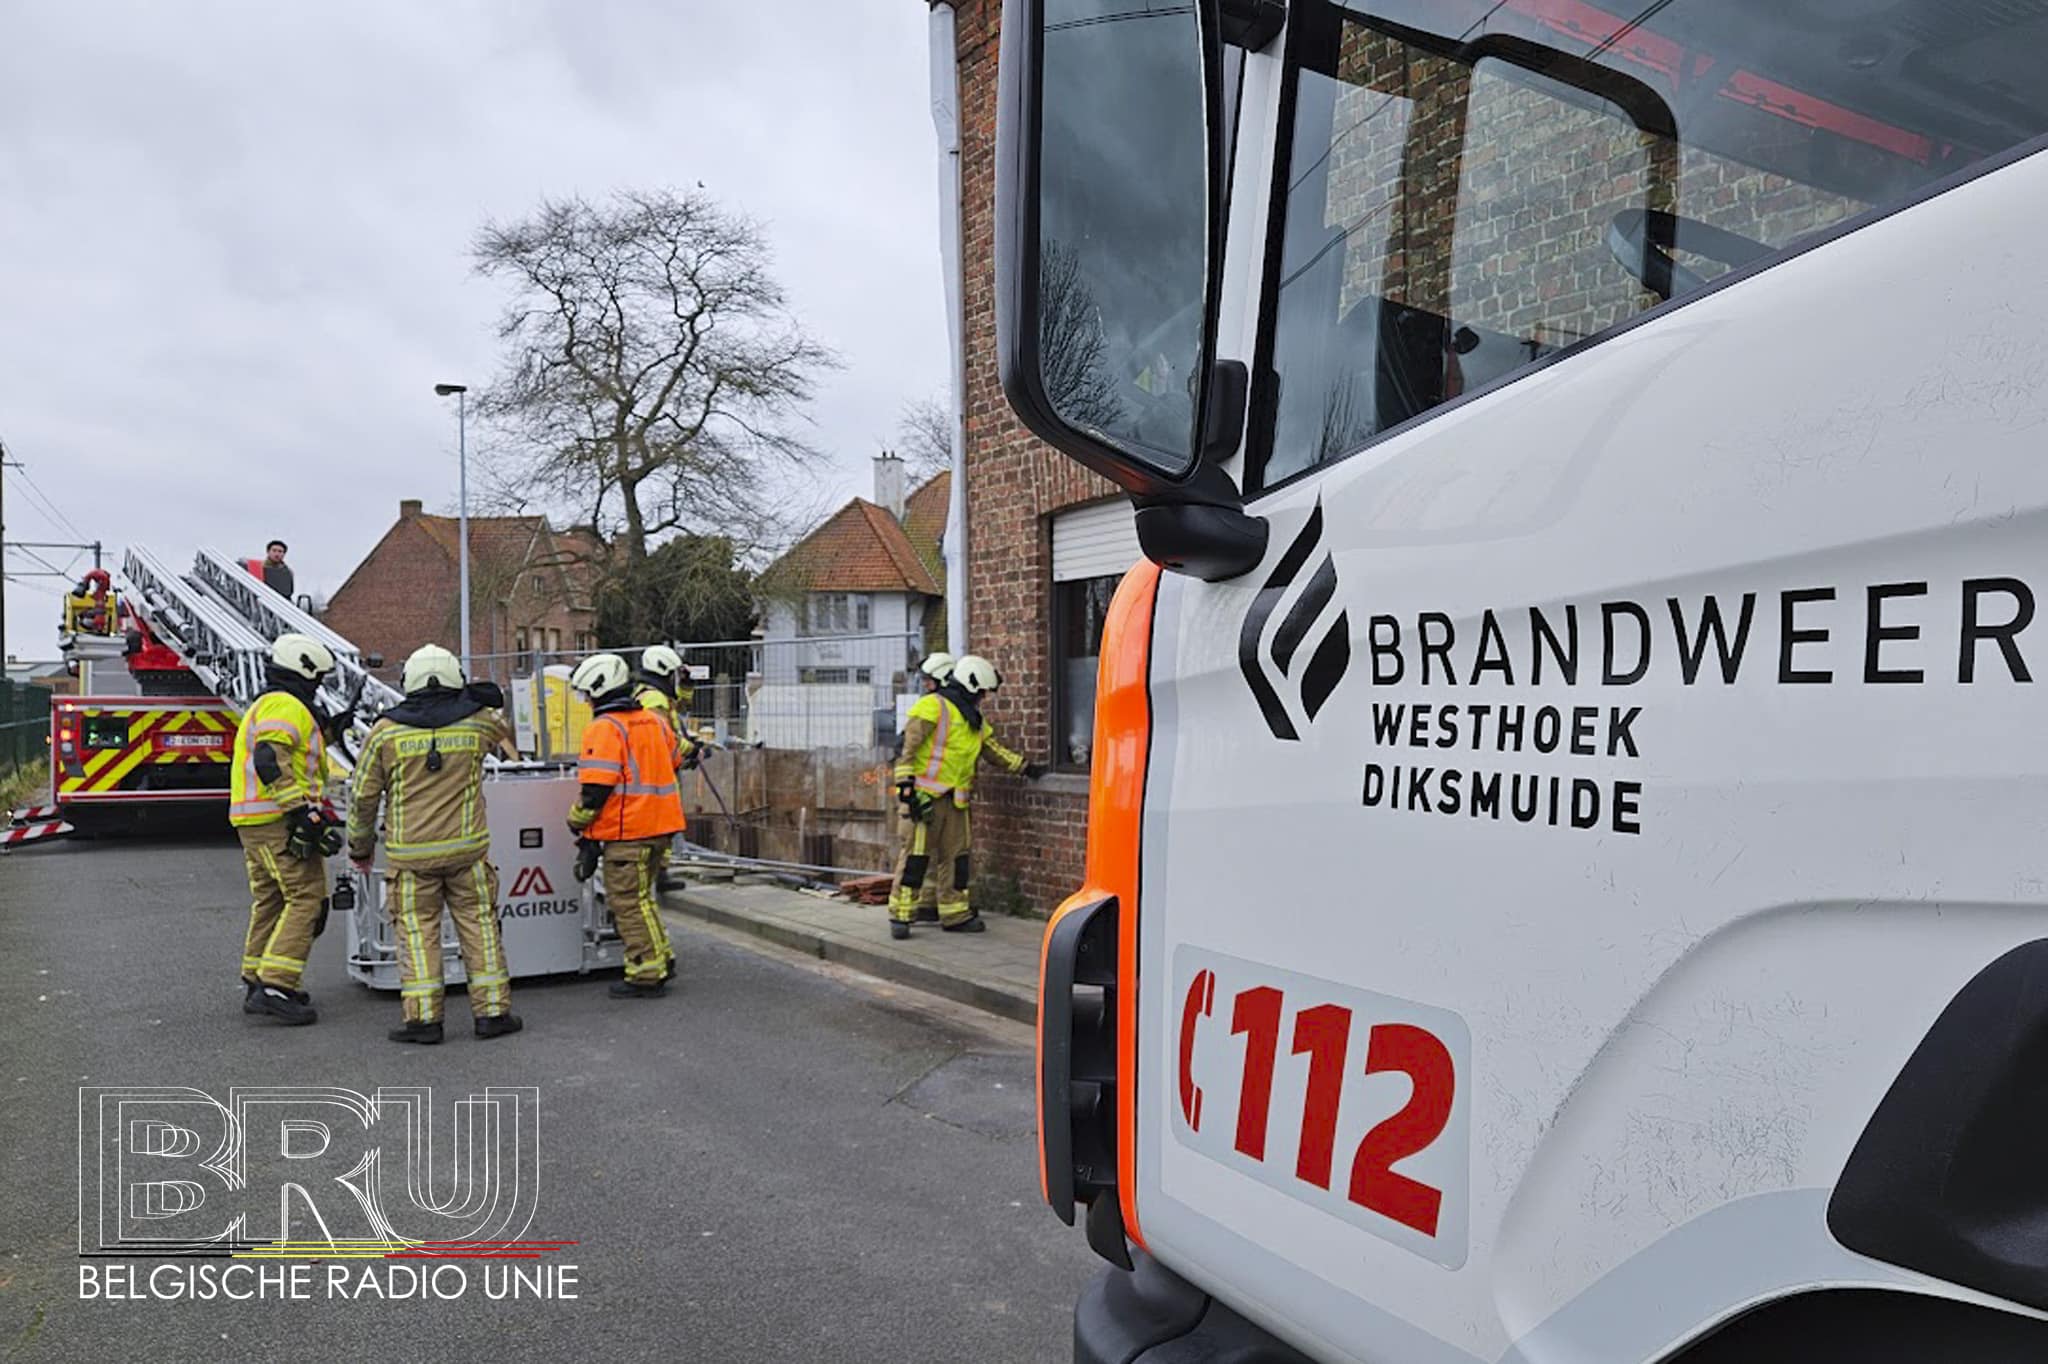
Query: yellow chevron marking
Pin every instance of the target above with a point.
(106, 769)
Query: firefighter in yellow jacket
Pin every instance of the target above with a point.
(275, 803)
(423, 764)
(931, 675)
(663, 687)
(946, 739)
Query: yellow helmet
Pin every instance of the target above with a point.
(976, 675)
(431, 666)
(301, 656)
(600, 675)
(660, 661)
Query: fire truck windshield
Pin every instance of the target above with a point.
(1447, 218)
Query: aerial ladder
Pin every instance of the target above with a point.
(220, 620)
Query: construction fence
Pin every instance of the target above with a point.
(807, 694)
(24, 724)
(799, 738)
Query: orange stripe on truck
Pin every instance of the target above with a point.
(1116, 809)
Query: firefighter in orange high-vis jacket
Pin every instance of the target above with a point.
(629, 807)
(276, 806)
(946, 739)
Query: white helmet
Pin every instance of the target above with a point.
(302, 656)
(938, 667)
(432, 666)
(660, 661)
(600, 675)
(976, 675)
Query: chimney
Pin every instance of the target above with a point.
(410, 507)
(889, 483)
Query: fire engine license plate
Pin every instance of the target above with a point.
(1350, 1101)
(192, 740)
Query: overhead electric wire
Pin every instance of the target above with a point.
(49, 505)
(52, 569)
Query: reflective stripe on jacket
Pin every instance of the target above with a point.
(281, 720)
(633, 752)
(941, 750)
(431, 818)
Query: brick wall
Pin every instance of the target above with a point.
(407, 592)
(1032, 832)
(399, 598)
(1506, 227)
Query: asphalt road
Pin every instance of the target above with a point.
(782, 1161)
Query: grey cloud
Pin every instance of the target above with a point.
(233, 237)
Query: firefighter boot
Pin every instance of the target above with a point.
(427, 1034)
(252, 988)
(971, 924)
(898, 929)
(498, 1025)
(290, 1007)
(628, 989)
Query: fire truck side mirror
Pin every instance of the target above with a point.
(1109, 242)
(1106, 230)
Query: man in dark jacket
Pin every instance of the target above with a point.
(277, 575)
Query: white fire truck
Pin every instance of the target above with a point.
(1566, 857)
(155, 722)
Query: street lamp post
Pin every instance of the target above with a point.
(461, 392)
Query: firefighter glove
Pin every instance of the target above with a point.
(1033, 771)
(906, 792)
(310, 836)
(587, 850)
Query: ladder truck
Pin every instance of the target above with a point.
(154, 723)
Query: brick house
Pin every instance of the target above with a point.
(530, 588)
(1049, 543)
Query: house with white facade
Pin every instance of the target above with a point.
(850, 611)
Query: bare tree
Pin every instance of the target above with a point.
(1073, 351)
(924, 437)
(654, 381)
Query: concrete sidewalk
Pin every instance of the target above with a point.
(996, 970)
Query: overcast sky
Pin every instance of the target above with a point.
(234, 237)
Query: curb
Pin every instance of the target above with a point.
(988, 995)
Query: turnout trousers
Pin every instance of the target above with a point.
(414, 898)
(934, 863)
(285, 894)
(631, 868)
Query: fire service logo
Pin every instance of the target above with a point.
(1326, 665)
(280, 1172)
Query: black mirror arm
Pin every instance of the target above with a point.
(1200, 526)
